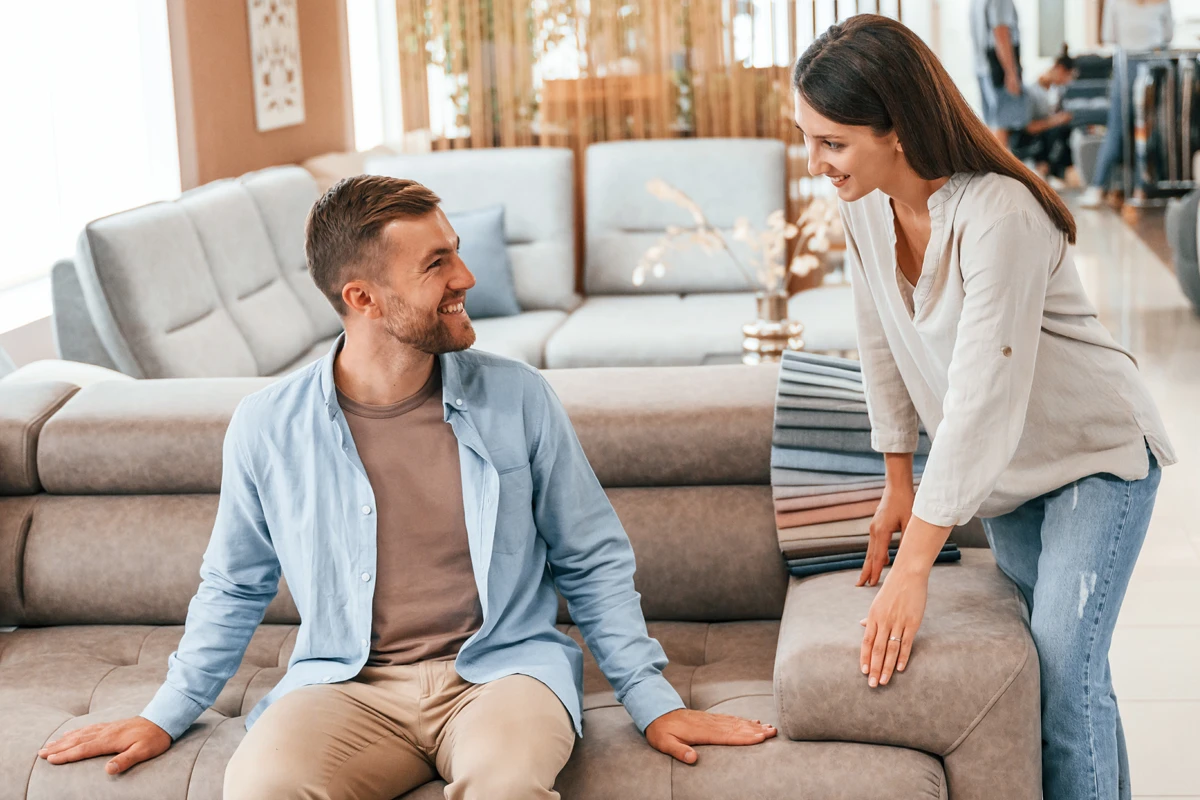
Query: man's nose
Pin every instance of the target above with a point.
(463, 278)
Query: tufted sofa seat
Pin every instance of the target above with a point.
(107, 498)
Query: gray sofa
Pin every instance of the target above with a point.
(214, 284)
(108, 495)
(1182, 215)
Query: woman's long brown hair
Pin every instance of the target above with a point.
(871, 70)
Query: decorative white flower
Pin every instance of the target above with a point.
(742, 231)
(804, 264)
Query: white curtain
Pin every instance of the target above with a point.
(87, 122)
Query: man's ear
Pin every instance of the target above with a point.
(360, 299)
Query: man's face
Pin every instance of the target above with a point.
(422, 284)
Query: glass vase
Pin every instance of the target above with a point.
(765, 339)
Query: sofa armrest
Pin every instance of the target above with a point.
(970, 693)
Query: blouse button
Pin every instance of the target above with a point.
(1006, 351)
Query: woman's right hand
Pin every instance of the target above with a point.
(893, 514)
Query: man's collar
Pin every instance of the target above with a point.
(452, 389)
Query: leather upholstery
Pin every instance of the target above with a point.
(99, 569)
(23, 414)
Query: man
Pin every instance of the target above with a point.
(1046, 139)
(996, 39)
(423, 501)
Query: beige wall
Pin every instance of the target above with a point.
(31, 342)
(214, 101)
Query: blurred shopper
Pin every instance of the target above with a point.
(996, 40)
(1130, 25)
(1044, 141)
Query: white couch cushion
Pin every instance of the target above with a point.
(674, 330)
(727, 178)
(522, 337)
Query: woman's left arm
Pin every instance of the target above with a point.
(1005, 273)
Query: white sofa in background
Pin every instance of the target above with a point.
(215, 284)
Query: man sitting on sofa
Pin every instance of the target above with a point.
(423, 501)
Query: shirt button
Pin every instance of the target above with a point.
(366, 509)
(364, 643)
(1006, 351)
(366, 576)
(458, 402)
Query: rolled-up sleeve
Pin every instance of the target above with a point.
(894, 421)
(1005, 271)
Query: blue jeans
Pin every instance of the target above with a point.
(1114, 136)
(1071, 553)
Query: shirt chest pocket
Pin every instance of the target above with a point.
(515, 530)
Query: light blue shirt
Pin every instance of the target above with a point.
(986, 16)
(295, 501)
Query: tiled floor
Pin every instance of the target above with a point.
(1156, 649)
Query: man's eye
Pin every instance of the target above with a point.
(435, 264)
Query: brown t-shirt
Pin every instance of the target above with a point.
(426, 604)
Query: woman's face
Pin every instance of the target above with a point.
(853, 157)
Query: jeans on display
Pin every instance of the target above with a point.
(1071, 553)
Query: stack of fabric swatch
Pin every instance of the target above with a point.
(825, 478)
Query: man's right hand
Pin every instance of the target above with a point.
(132, 740)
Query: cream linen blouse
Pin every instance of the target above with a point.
(999, 354)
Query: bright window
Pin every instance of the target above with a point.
(87, 122)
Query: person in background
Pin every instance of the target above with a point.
(996, 40)
(1130, 25)
(1044, 141)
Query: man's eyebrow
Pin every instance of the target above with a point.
(443, 251)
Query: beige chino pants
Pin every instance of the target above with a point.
(392, 729)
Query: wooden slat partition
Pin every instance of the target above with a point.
(568, 73)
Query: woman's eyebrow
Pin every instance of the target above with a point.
(829, 136)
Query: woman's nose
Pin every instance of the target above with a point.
(816, 166)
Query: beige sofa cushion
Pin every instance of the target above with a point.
(56, 680)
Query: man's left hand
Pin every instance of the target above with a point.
(675, 732)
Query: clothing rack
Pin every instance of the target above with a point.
(1160, 98)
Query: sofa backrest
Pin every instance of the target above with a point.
(536, 187)
(197, 287)
(727, 179)
(110, 521)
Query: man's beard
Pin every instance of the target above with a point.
(435, 336)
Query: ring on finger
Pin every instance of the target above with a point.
(895, 639)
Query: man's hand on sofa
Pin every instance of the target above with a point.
(675, 732)
(132, 740)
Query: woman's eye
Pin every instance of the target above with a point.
(833, 145)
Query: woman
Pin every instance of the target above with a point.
(1130, 25)
(972, 318)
